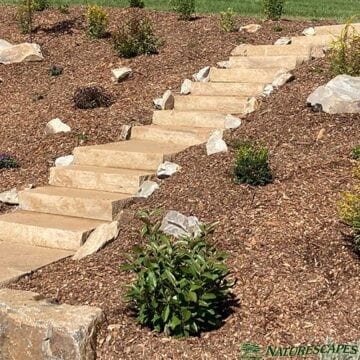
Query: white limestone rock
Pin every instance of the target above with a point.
(178, 225)
(11, 54)
(166, 102)
(167, 169)
(186, 87)
(125, 132)
(223, 64)
(147, 188)
(10, 197)
(251, 28)
(202, 75)
(232, 122)
(252, 105)
(56, 126)
(283, 41)
(310, 31)
(215, 143)
(268, 90)
(281, 78)
(120, 74)
(64, 160)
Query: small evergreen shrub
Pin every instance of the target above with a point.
(345, 52)
(92, 96)
(278, 28)
(40, 5)
(7, 162)
(228, 21)
(24, 17)
(273, 9)
(356, 152)
(181, 286)
(251, 164)
(135, 37)
(63, 8)
(185, 8)
(97, 21)
(55, 70)
(137, 3)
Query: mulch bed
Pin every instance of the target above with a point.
(297, 273)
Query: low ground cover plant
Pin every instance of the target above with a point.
(181, 286)
(92, 96)
(137, 3)
(97, 21)
(185, 8)
(252, 164)
(345, 52)
(356, 152)
(40, 5)
(136, 37)
(8, 162)
(273, 9)
(228, 20)
(55, 70)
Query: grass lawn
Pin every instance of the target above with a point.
(310, 9)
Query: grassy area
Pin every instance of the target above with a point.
(310, 9)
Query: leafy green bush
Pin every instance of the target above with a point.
(345, 52)
(97, 21)
(7, 162)
(136, 3)
(24, 17)
(63, 8)
(228, 21)
(181, 286)
(273, 9)
(135, 37)
(185, 8)
(356, 152)
(41, 5)
(251, 164)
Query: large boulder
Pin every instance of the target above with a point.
(10, 54)
(339, 95)
(34, 328)
(178, 225)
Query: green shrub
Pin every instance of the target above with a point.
(251, 165)
(345, 52)
(63, 8)
(136, 37)
(278, 28)
(41, 5)
(185, 8)
(24, 17)
(273, 9)
(97, 21)
(181, 286)
(356, 152)
(136, 3)
(228, 21)
(7, 162)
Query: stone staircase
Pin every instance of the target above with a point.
(55, 220)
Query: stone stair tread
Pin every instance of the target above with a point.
(50, 221)
(333, 29)
(226, 88)
(20, 259)
(178, 129)
(271, 50)
(232, 75)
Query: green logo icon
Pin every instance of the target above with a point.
(250, 351)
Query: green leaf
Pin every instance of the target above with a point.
(175, 321)
(186, 314)
(208, 296)
(165, 313)
(151, 278)
(191, 296)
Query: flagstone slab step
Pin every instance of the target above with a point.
(203, 119)
(126, 181)
(81, 203)
(333, 29)
(272, 50)
(262, 62)
(226, 104)
(313, 41)
(20, 259)
(243, 75)
(226, 89)
(187, 136)
(132, 154)
(47, 230)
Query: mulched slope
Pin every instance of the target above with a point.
(297, 273)
(188, 47)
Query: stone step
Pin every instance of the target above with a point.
(226, 104)
(203, 119)
(186, 136)
(313, 41)
(132, 154)
(333, 29)
(227, 89)
(243, 75)
(126, 181)
(19, 259)
(81, 203)
(47, 230)
(272, 50)
(263, 62)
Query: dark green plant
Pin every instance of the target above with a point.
(24, 16)
(185, 8)
(8, 162)
(345, 52)
(181, 286)
(63, 8)
(228, 21)
(137, 3)
(252, 164)
(41, 5)
(273, 9)
(97, 21)
(91, 97)
(55, 70)
(135, 37)
(278, 28)
(356, 152)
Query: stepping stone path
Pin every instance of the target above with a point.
(56, 220)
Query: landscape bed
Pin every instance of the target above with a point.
(296, 269)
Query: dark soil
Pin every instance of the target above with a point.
(297, 273)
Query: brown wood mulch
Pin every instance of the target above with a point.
(297, 273)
